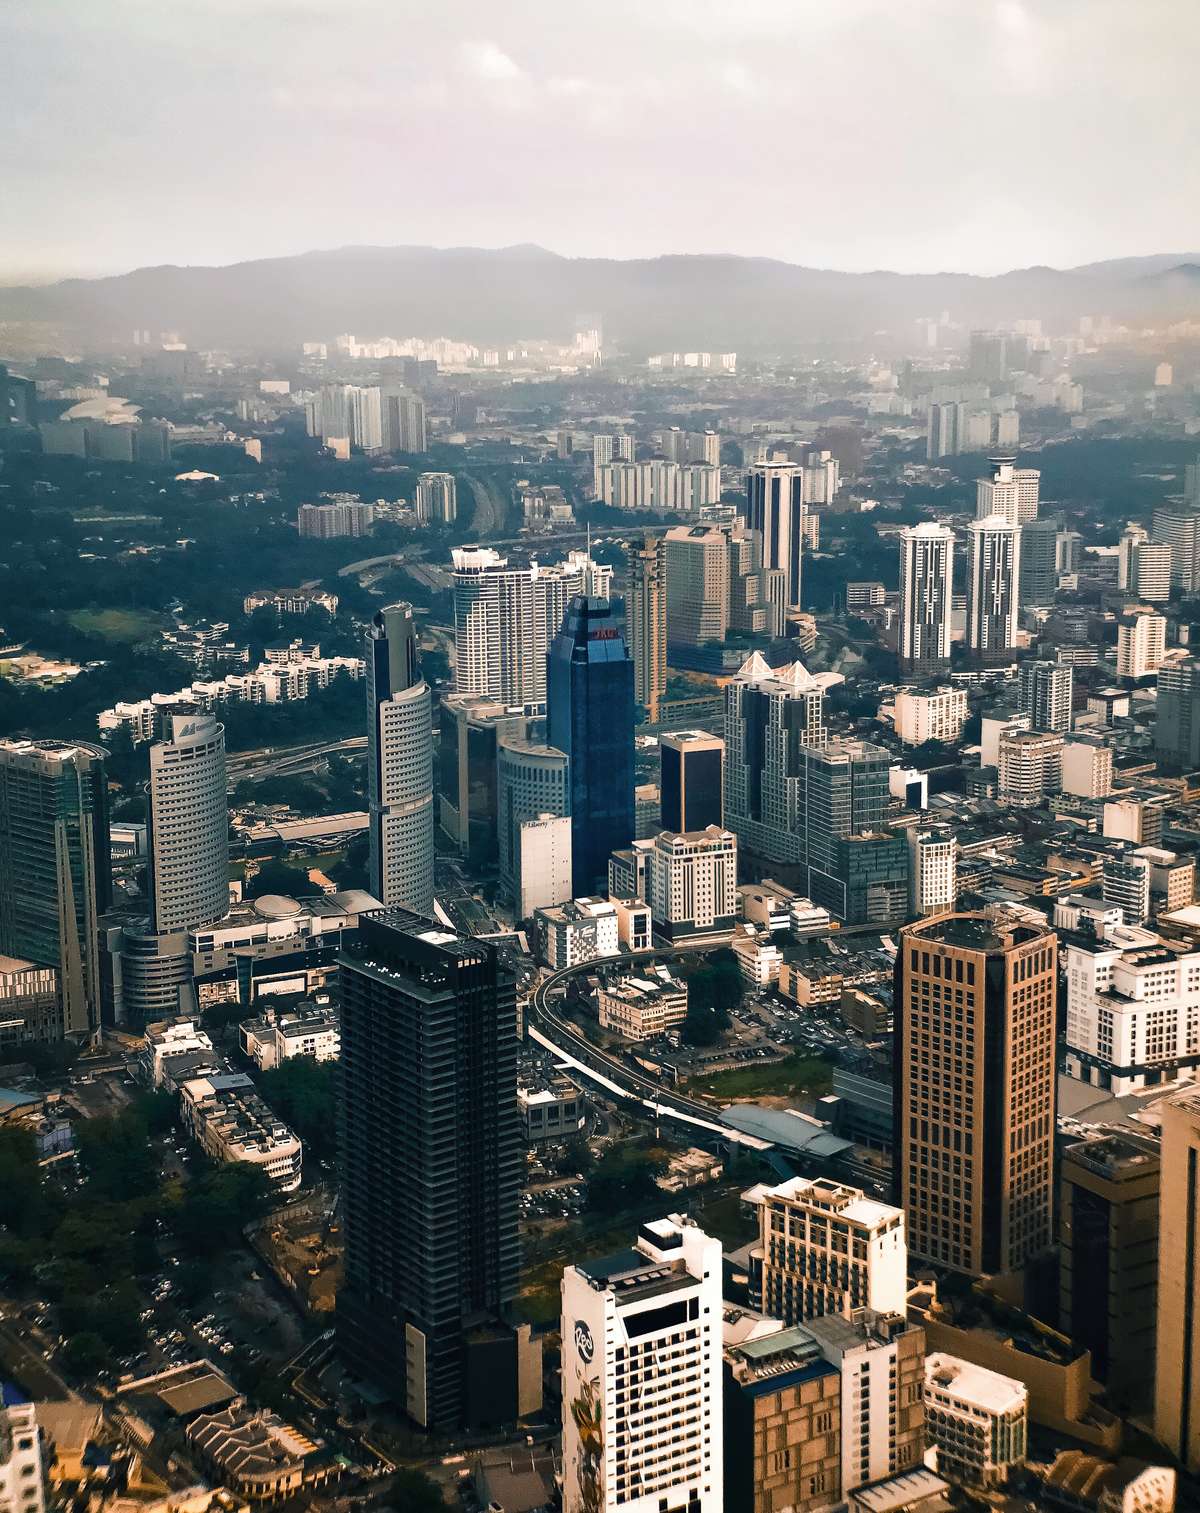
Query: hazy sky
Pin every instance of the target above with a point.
(911, 134)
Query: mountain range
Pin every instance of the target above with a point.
(707, 302)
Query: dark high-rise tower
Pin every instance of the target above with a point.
(399, 763)
(589, 715)
(430, 1170)
(691, 764)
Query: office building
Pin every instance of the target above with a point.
(29, 1005)
(880, 1360)
(1150, 578)
(506, 617)
(1108, 1268)
(696, 568)
(641, 1370)
(469, 728)
(430, 1173)
(1177, 717)
(436, 500)
(757, 604)
(642, 1007)
(589, 716)
(531, 782)
(1178, 526)
(1141, 645)
(1172, 879)
(188, 826)
(1011, 492)
(867, 882)
(1125, 881)
(55, 869)
(842, 793)
(974, 1090)
(976, 1420)
(825, 1248)
(1038, 577)
(770, 716)
(987, 355)
(783, 1419)
(993, 577)
(1177, 1368)
(1044, 692)
(22, 1484)
(646, 625)
(936, 714)
(543, 864)
(691, 780)
(403, 422)
(691, 884)
(399, 763)
(775, 509)
(932, 871)
(1029, 768)
(582, 929)
(1087, 766)
(1133, 1006)
(926, 586)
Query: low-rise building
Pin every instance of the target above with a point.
(21, 1482)
(230, 1122)
(554, 1111)
(976, 1419)
(253, 1451)
(692, 884)
(810, 982)
(166, 1040)
(758, 957)
(307, 1030)
(690, 1168)
(634, 923)
(585, 929)
(30, 1011)
(774, 907)
(641, 1007)
(1082, 1483)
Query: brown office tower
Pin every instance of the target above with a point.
(1177, 1368)
(1108, 1275)
(974, 1090)
(646, 625)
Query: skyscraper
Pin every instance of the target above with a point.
(436, 499)
(399, 763)
(696, 568)
(1177, 717)
(430, 1171)
(843, 799)
(1044, 692)
(1010, 491)
(531, 780)
(691, 780)
(1141, 644)
(589, 716)
(993, 575)
(403, 421)
(646, 624)
(1177, 1374)
(1178, 526)
(188, 826)
(1039, 560)
(926, 581)
(469, 727)
(974, 1092)
(770, 716)
(55, 868)
(775, 508)
(506, 617)
(641, 1370)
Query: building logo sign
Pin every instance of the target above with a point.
(584, 1342)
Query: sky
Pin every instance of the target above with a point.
(916, 135)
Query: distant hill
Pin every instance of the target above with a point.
(648, 304)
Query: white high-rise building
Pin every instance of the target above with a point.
(1131, 537)
(1011, 492)
(399, 763)
(935, 714)
(189, 826)
(825, 1248)
(1141, 645)
(1030, 766)
(696, 568)
(992, 584)
(22, 1487)
(641, 1373)
(822, 478)
(926, 582)
(1178, 526)
(932, 871)
(657, 483)
(366, 419)
(531, 783)
(775, 508)
(506, 617)
(436, 498)
(692, 884)
(1087, 767)
(543, 863)
(1045, 691)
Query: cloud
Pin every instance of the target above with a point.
(484, 60)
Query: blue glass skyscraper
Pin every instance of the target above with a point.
(589, 715)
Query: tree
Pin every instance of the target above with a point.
(84, 1355)
(414, 1492)
(276, 877)
(624, 1178)
(303, 1091)
(214, 1209)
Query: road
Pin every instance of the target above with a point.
(268, 761)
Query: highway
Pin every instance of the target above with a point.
(277, 761)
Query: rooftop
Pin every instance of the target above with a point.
(973, 1384)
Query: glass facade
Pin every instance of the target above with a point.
(589, 715)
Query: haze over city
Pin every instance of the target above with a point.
(599, 757)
